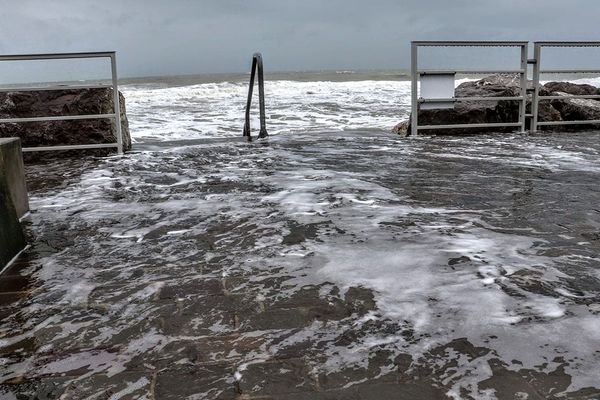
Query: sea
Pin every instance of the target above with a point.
(213, 105)
(209, 106)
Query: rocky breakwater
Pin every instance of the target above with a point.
(507, 85)
(60, 103)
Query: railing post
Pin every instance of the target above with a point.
(414, 130)
(261, 96)
(116, 102)
(523, 104)
(249, 101)
(537, 53)
(257, 66)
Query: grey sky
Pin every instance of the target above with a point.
(155, 37)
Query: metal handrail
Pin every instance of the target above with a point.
(115, 115)
(469, 43)
(257, 64)
(465, 99)
(470, 71)
(416, 73)
(537, 71)
(55, 56)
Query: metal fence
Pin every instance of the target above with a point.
(417, 74)
(115, 115)
(537, 71)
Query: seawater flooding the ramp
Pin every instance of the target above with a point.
(312, 266)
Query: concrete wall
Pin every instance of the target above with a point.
(13, 199)
(12, 168)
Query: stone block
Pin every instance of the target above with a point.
(13, 200)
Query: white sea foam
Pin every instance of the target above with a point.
(594, 81)
(217, 109)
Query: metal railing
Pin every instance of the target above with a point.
(416, 75)
(537, 71)
(115, 115)
(257, 64)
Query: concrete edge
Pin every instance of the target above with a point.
(12, 179)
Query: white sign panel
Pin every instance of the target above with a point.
(437, 86)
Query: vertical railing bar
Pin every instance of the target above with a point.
(116, 103)
(261, 98)
(414, 90)
(523, 103)
(537, 54)
(249, 101)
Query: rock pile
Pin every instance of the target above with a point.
(507, 85)
(59, 103)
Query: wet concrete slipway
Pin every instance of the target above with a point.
(346, 265)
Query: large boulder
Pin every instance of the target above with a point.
(570, 88)
(573, 109)
(546, 112)
(504, 111)
(577, 110)
(59, 103)
(476, 112)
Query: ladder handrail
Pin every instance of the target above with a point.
(257, 63)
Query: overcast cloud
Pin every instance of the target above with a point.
(155, 37)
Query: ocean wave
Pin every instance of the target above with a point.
(217, 109)
(211, 110)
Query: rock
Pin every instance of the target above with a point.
(507, 85)
(63, 102)
(570, 109)
(567, 109)
(577, 110)
(492, 86)
(475, 112)
(458, 260)
(546, 112)
(570, 88)
(402, 128)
